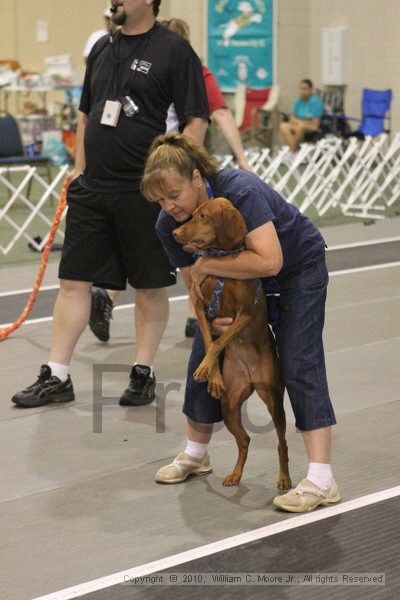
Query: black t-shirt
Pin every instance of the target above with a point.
(156, 68)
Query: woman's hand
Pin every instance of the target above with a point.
(198, 276)
(220, 325)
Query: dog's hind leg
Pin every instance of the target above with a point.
(271, 389)
(232, 419)
(231, 404)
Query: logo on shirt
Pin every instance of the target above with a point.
(141, 66)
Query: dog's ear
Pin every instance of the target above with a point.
(231, 228)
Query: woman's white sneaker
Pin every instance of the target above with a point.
(183, 466)
(307, 496)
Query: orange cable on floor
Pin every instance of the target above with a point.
(4, 333)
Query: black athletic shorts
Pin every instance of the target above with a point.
(110, 239)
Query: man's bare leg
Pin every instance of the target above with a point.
(71, 316)
(151, 318)
(113, 294)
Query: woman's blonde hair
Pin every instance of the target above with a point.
(174, 152)
(180, 27)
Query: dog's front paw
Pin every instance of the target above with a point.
(203, 371)
(232, 479)
(284, 482)
(210, 373)
(216, 385)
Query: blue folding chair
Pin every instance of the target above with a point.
(375, 110)
(12, 153)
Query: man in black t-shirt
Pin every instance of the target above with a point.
(110, 238)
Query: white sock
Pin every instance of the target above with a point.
(151, 368)
(320, 474)
(60, 371)
(195, 449)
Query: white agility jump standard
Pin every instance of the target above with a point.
(16, 193)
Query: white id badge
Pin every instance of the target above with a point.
(111, 113)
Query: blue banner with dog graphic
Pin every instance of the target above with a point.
(240, 42)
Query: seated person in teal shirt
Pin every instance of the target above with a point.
(307, 111)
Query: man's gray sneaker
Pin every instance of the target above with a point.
(141, 389)
(190, 327)
(47, 389)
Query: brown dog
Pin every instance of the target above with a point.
(251, 360)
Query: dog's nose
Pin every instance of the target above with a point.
(177, 233)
